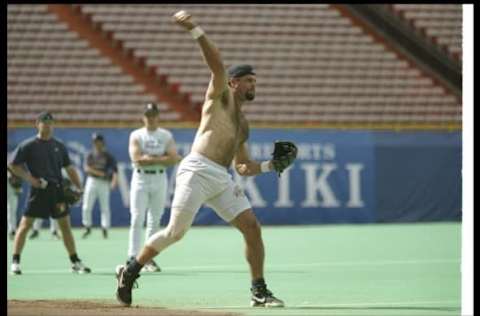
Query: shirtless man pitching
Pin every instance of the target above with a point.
(202, 176)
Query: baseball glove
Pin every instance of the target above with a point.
(70, 195)
(284, 154)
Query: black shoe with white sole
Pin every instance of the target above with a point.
(55, 235)
(86, 233)
(262, 297)
(15, 268)
(34, 234)
(125, 282)
(79, 267)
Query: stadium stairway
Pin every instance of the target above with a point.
(440, 23)
(147, 75)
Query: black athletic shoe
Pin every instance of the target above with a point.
(262, 297)
(79, 267)
(125, 282)
(11, 235)
(55, 235)
(34, 234)
(104, 233)
(15, 268)
(86, 233)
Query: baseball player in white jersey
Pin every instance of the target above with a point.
(14, 190)
(101, 168)
(152, 149)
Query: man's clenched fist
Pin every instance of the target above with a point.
(184, 19)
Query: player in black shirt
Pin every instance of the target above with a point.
(44, 157)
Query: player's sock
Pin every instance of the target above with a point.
(258, 283)
(74, 258)
(134, 267)
(16, 258)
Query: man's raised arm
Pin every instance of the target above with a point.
(211, 55)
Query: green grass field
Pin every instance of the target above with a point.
(401, 269)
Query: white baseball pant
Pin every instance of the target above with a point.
(96, 188)
(199, 180)
(37, 224)
(12, 203)
(148, 192)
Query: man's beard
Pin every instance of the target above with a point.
(250, 96)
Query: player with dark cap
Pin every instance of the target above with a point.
(44, 157)
(101, 168)
(203, 178)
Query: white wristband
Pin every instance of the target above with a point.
(265, 166)
(196, 32)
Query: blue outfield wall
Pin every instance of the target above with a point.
(339, 176)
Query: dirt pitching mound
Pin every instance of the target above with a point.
(84, 308)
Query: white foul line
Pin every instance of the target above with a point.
(273, 266)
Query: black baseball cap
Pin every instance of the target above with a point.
(236, 71)
(97, 136)
(151, 109)
(45, 117)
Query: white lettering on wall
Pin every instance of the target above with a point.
(319, 184)
(329, 151)
(284, 190)
(355, 198)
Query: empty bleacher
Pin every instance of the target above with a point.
(440, 23)
(312, 64)
(51, 68)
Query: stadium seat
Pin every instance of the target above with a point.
(312, 63)
(51, 68)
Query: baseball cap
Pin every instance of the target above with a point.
(235, 71)
(45, 117)
(151, 109)
(97, 136)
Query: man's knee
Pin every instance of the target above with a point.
(248, 224)
(164, 238)
(253, 228)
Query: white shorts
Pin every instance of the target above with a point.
(200, 180)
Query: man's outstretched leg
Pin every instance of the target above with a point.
(180, 222)
(247, 223)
